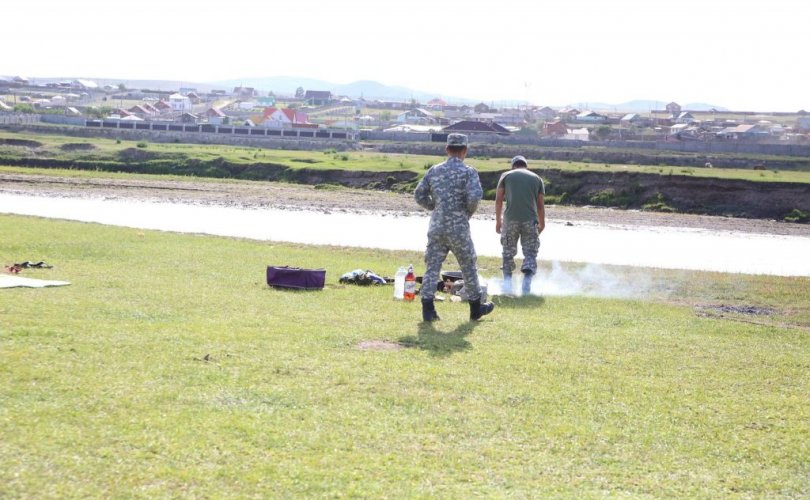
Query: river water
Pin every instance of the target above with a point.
(661, 247)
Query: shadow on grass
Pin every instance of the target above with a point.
(438, 343)
(530, 302)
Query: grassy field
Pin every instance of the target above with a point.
(105, 150)
(168, 368)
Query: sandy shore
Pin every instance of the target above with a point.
(254, 194)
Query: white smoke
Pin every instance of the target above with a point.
(593, 280)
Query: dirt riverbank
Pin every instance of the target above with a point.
(257, 194)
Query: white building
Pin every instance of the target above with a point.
(179, 102)
(577, 134)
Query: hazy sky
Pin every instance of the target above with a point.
(742, 54)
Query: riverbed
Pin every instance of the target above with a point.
(565, 241)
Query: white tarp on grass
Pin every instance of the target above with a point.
(9, 281)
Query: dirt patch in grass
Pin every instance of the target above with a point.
(379, 345)
(135, 154)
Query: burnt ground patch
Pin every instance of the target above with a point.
(77, 146)
(738, 309)
(22, 143)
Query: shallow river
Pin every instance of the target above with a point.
(664, 247)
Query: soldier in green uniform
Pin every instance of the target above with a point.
(524, 220)
(452, 191)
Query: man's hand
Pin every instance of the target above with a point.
(540, 228)
(498, 226)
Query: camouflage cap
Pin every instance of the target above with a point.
(456, 140)
(519, 159)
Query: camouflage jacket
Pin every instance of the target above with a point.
(452, 190)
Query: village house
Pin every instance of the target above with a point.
(247, 105)
(83, 84)
(150, 109)
(568, 114)
(216, 116)
(482, 108)
(416, 116)
(554, 128)
(743, 132)
(244, 92)
(162, 106)
(131, 118)
(120, 114)
(141, 111)
(190, 118)
(179, 102)
(632, 120)
(577, 134)
(546, 113)
(281, 118)
(318, 97)
(437, 104)
(674, 109)
(471, 126)
(685, 117)
(591, 117)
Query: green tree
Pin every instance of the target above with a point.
(23, 108)
(122, 87)
(98, 112)
(299, 92)
(602, 132)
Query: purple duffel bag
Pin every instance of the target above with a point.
(295, 277)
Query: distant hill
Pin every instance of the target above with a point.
(642, 106)
(286, 85)
(699, 106)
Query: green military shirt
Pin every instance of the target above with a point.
(522, 188)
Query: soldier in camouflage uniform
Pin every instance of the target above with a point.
(452, 191)
(524, 220)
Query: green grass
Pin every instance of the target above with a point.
(168, 368)
(108, 149)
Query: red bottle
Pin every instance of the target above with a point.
(410, 285)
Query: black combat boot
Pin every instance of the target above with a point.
(477, 309)
(429, 311)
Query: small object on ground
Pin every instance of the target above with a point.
(451, 276)
(296, 278)
(37, 265)
(363, 277)
(399, 283)
(13, 269)
(410, 285)
(569, 223)
(457, 289)
(9, 281)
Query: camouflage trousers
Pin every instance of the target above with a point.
(439, 244)
(526, 232)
